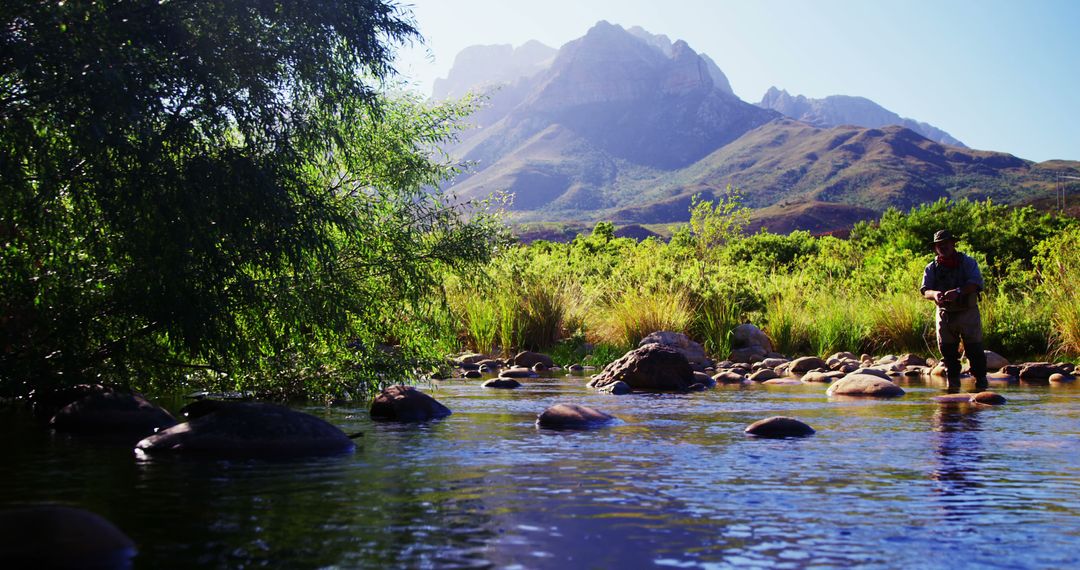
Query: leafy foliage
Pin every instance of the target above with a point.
(219, 186)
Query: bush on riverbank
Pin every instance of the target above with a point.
(812, 295)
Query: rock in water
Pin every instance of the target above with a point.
(864, 385)
(988, 398)
(110, 411)
(61, 538)
(504, 383)
(250, 429)
(779, 426)
(406, 404)
(529, 359)
(572, 416)
(652, 367)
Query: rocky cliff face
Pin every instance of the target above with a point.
(478, 68)
(837, 110)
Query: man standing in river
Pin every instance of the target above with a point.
(953, 282)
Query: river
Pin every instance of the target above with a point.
(902, 483)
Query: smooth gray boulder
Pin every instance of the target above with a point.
(250, 430)
(779, 426)
(864, 385)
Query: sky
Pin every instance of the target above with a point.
(999, 75)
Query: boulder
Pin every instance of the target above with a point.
(729, 377)
(473, 374)
(1010, 370)
(763, 375)
(783, 382)
(502, 383)
(57, 537)
(988, 398)
(746, 335)
(469, 359)
(250, 429)
(572, 416)
(616, 388)
(822, 377)
(873, 372)
(909, 359)
(527, 359)
(805, 364)
(110, 411)
(779, 426)
(406, 404)
(576, 369)
(995, 361)
(1038, 371)
(769, 363)
(864, 385)
(749, 354)
(693, 351)
(539, 368)
(842, 356)
(653, 367)
(704, 380)
(1059, 378)
(518, 372)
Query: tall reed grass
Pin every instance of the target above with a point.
(627, 317)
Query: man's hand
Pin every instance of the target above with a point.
(945, 297)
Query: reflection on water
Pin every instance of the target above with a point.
(883, 483)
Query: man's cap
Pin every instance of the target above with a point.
(943, 235)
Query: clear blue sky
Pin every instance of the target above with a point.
(997, 74)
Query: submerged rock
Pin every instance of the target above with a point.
(503, 383)
(406, 404)
(59, 537)
(250, 429)
(779, 426)
(572, 416)
(110, 411)
(864, 385)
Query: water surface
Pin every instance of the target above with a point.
(903, 483)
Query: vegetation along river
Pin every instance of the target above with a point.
(904, 483)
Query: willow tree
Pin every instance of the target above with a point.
(216, 185)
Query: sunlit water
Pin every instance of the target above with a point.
(904, 483)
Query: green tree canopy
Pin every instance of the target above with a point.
(214, 184)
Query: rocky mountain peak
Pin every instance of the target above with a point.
(836, 110)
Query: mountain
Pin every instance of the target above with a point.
(614, 108)
(838, 110)
(628, 126)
